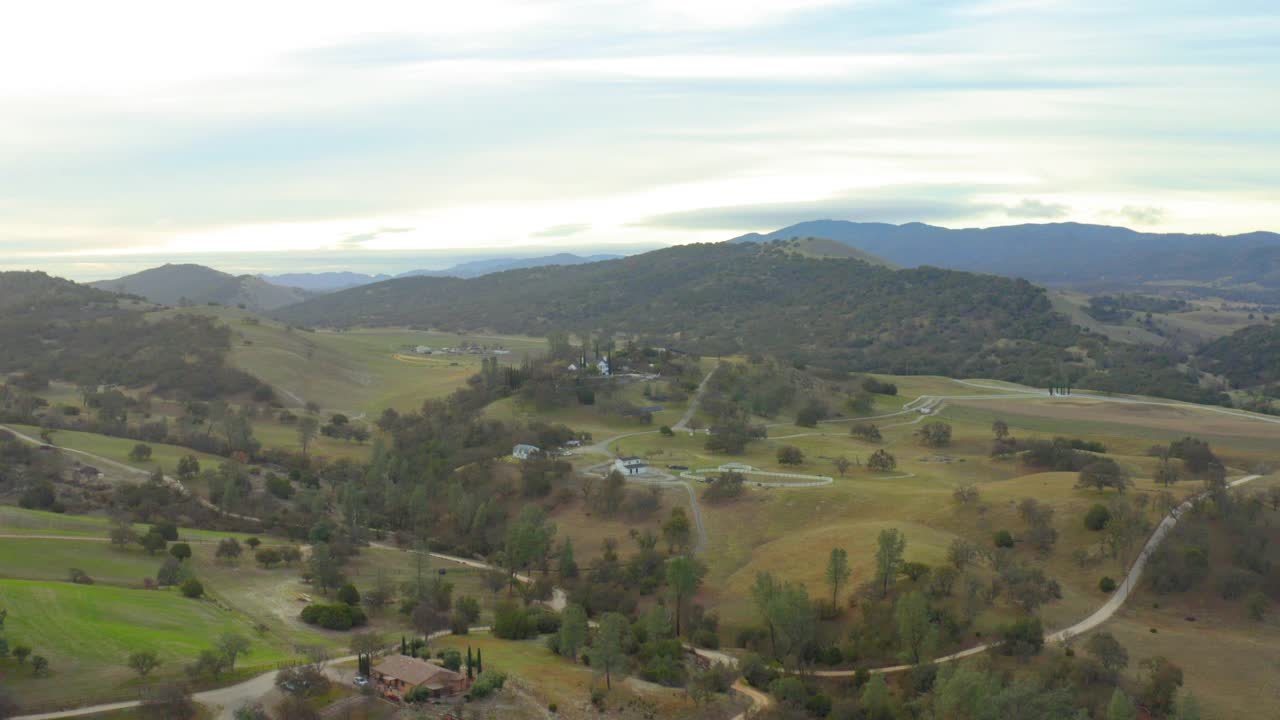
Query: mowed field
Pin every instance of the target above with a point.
(88, 631)
(117, 450)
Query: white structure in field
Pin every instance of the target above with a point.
(524, 452)
(630, 465)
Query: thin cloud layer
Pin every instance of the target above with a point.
(608, 122)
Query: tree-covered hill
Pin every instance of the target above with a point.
(1248, 357)
(52, 328)
(725, 298)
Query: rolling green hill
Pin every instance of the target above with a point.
(199, 285)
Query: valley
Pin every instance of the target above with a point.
(371, 444)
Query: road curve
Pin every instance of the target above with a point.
(1099, 616)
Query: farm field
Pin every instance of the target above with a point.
(117, 449)
(20, 521)
(88, 631)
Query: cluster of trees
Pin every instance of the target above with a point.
(1114, 309)
(1237, 520)
(1245, 357)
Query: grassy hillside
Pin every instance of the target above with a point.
(358, 371)
(198, 285)
(88, 631)
(1247, 357)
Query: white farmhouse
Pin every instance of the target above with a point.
(524, 452)
(630, 465)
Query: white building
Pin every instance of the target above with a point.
(524, 452)
(630, 465)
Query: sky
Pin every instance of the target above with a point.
(325, 135)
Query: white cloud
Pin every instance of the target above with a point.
(153, 126)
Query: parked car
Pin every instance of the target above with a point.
(361, 681)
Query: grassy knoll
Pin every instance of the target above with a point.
(87, 632)
(356, 370)
(117, 449)
(534, 670)
(20, 521)
(44, 559)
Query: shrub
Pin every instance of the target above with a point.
(192, 588)
(757, 672)
(1097, 517)
(1004, 539)
(489, 682)
(1022, 637)
(348, 594)
(1106, 584)
(279, 487)
(511, 622)
(338, 616)
(451, 659)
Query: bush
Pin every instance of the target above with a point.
(451, 659)
(1022, 637)
(192, 588)
(280, 487)
(338, 616)
(1106, 584)
(757, 672)
(511, 622)
(348, 594)
(1004, 539)
(1097, 517)
(489, 682)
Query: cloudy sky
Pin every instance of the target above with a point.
(355, 130)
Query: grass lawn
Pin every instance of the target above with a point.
(87, 633)
(112, 448)
(20, 521)
(43, 559)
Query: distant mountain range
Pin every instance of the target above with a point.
(199, 285)
(332, 281)
(1089, 257)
